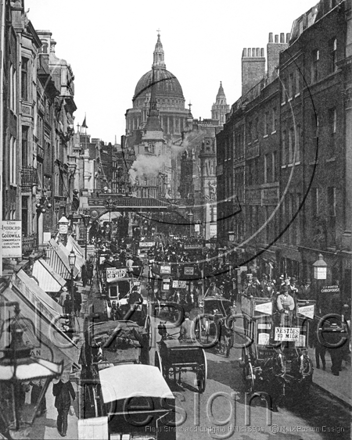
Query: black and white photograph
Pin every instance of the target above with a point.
(176, 219)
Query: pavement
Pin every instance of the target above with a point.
(339, 387)
(44, 427)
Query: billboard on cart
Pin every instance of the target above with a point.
(114, 273)
(287, 333)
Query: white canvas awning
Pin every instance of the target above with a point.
(48, 279)
(30, 289)
(73, 245)
(57, 257)
(79, 259)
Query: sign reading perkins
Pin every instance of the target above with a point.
(11, 238)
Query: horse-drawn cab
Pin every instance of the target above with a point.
(216, 322)
(275, 357)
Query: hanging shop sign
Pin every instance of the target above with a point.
(330, 289)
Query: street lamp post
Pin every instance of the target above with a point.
(319, 273)
(41, 207)
(190, 215)
(72, 262)
(86, 219)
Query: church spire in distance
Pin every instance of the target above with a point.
(158, 55)
(220, 107)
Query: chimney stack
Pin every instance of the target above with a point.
(274, 49)
(253, 67)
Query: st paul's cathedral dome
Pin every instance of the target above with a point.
(167, 92)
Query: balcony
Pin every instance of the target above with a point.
(29, 178)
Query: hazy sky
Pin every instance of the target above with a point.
(110, 45)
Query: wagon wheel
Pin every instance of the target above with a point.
(202, 373)
(248, 376)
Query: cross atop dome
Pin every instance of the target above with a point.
(158, 55)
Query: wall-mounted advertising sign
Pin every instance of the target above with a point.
(11, 238)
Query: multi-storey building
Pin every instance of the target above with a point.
(198, 167)
(248, 156)
(284, 156)
(37, 127)
(315, 171)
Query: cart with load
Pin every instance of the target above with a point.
(175, 357)
(215, 323)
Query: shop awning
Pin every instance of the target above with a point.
(48, 340)
(73, 245)
(30, 289)
(79, 259)
(48, 279)
(58, 260)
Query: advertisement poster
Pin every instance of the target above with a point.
(11, 238)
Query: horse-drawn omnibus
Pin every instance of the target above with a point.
(275, 356)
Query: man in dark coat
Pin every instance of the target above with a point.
(78, 301)
(84, 275)
(89, 272)
(63, 392)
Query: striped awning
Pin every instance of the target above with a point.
(58, 260)
(73, 245)
(48, 279)
(31, 290)
(79, 259)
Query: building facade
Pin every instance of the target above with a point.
(37, 127)
(284, 156)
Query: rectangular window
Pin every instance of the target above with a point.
(315, 66)
(291, 145)
(298, 143)
(11, 87)
(256, 129)
(40, 174)
(315, 201)
(274, 169)
(13, 162)
(274, 120)
(249, 137)
(298, 82)
(25, 230)
(332, 130)
(25, 146)
(284, 153)
(290, 86)
(333, 54)
(332, 201)
(24, 78)
(299, 217)
(315, 125)
(267, 168)
(266, 123)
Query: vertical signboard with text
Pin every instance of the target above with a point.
(11, 238)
